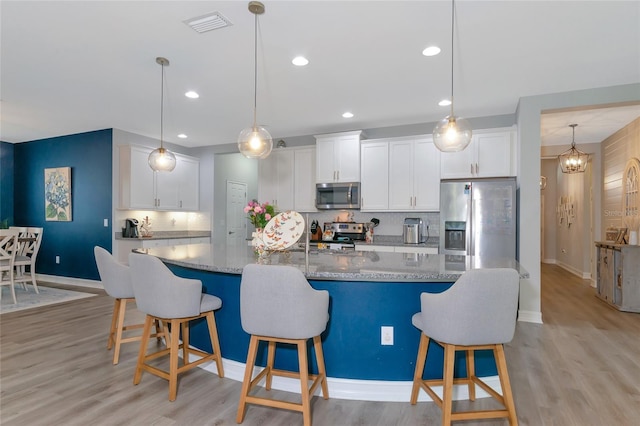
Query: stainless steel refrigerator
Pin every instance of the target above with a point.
(478, 217)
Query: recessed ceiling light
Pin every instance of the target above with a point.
(431, 51)
(300, 61)
(347, 115)
(191, 94)
(182, 136)
(444, 102)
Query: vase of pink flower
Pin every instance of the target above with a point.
(259, 216)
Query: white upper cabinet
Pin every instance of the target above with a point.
(400, 174)
(414, 174)
(275, 179)
(142, 188)
(338, 157)
(304, 186)
(374, 186)
(490, 154)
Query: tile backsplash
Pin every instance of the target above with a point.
(165, 220)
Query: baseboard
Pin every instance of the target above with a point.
(530, 316)
(359, 390)
(78, 282)
(574, 271)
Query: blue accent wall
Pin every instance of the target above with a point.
(6, 182)
(90, 157)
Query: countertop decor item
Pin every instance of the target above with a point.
(259, 214)
(161, 159)
(452, 133)
(283, 231)
(255, 141)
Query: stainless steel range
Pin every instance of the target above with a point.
(341, 235)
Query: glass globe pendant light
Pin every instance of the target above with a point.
(452, 133)
(161, 159)
(255, 141)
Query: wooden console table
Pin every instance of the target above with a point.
(618, 277)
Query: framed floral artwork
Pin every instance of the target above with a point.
(57, 194)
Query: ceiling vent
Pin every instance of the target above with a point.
(209, 22)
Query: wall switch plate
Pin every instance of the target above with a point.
(106, 223)
(386, 335)
(57, 259)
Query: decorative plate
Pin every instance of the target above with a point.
(283, 230)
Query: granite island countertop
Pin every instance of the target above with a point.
(331, 264)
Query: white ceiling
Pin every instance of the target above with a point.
(70, 67)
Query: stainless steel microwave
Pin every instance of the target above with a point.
(343, 195)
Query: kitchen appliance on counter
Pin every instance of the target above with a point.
(412, 230)
(478, 217)
(130, 229)
(342, 195)
(343, 235)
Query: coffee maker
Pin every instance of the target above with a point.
(130, 229)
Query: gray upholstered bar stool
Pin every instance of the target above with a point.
(477, 312)
(177, 301)
(277, 305)
(116, 280)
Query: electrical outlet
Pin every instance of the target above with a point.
(386, 335)
(106, 223)
(57, 259)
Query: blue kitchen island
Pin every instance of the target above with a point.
(367, 290)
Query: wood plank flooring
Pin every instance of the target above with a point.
(582, 367)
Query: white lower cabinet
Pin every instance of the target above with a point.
(396, 249)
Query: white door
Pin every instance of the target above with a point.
(236, 217)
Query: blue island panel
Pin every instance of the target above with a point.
(351, 342)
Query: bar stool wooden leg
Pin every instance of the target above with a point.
(173, 359)
(271, 357)
(119, 328)
(447, 392)
(304, 382)
(471, 373)
(185, 341)
(317, 344)
(248, 373)
(146, 331)
(417, 375)
(114, 322)
(215, 343)
(501, 363)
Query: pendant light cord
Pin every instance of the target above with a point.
(255, 69)
(452, 31)
(162, 107)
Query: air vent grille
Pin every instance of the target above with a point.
(209, 22)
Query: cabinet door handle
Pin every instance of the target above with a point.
(477, 169)
(338, 174)
(411, 201)
(471, 166)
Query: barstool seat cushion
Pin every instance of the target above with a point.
(210, 302)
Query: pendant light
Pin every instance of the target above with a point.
(255, 141)
(161, 159)
(573, 160)
(452, 133)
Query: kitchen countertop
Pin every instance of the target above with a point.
(168, 235)
(397, 241)
(333, 265)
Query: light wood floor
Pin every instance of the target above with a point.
(582, 367)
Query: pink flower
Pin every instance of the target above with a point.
(247, 209)
(258, 209)
(267, 216)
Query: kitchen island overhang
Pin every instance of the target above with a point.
(367, 291)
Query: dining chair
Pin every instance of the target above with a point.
(8, 248)
(478, 312)
(29, 240)
(278, 306)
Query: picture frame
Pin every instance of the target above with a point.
(57, 194)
